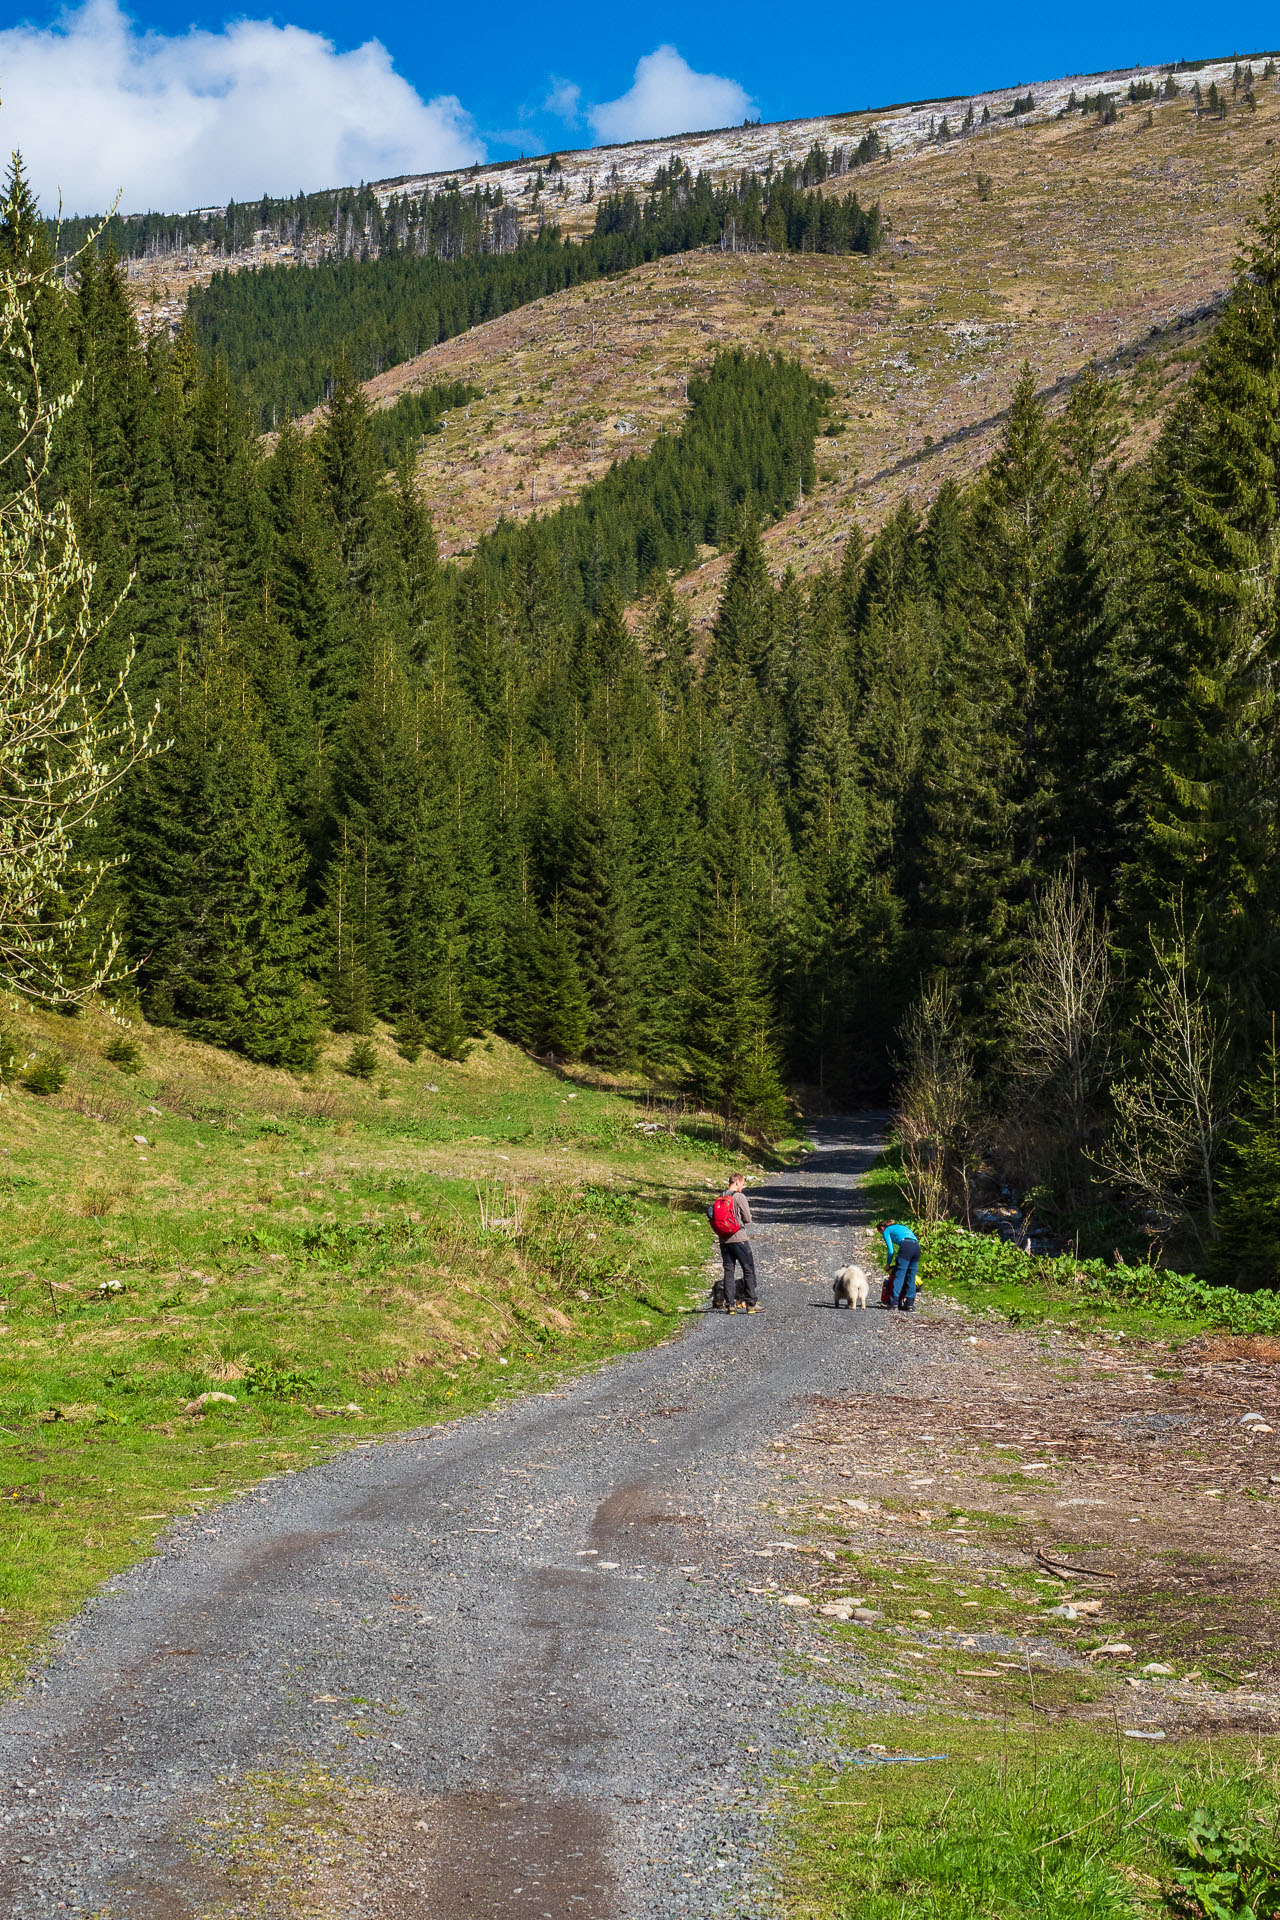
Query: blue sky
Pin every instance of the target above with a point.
(178, 105)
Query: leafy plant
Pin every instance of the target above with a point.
(1233, 1869)
(959, 1261)
(288, 1382)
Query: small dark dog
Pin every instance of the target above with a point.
(850, 1287)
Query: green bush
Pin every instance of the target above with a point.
(124, 1053)
(11, 1055)
(362, 1061)
(963, 1262)
(411, 1036)
(47, 1073)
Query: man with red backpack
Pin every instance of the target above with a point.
(728, 1215)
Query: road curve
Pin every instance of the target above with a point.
(525, 1636)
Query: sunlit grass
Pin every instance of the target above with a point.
(1014, 1820)
(339, 1258)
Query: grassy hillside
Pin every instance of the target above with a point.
(338, 1256)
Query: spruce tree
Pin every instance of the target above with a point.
(213, 882)
(743, 631)
(986, 779)
(547, 1007)
(731, 1062)
(1213, 625)
(1247, 1253)
(597, 906)
(25, 251)
(347, 455)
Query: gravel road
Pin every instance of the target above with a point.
(527, 1638)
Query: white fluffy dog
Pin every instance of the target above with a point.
(850, 1287)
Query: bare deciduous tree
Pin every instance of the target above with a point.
(1060, 1035)
(1173, 1110)
(938, 1124)
(65, 742)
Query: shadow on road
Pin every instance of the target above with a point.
(822, 1191)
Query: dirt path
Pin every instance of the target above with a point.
(523, 1664)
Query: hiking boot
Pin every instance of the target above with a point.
(757, 1308)
(908, 1306)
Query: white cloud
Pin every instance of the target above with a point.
(667, 96)
(194, 119)
(563, 100)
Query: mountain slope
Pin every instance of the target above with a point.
(1056, 237)
(1061, 242)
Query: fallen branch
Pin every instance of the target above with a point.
(1065, 1566)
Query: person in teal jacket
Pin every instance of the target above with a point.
(904, 1258)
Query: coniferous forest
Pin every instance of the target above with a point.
(983, 823)
(283, 329)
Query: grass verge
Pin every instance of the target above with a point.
(329, 1258)
(1013, 1819)
(982, 1271)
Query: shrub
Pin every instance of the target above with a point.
(11, 1055)
(47, 1073)
(124, 1053)
(411, 1036)
(362, 1061)
(960, 1262)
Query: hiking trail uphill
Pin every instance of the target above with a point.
(524, 1640)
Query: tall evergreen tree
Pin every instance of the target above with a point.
(597, 907)
(732, 1064)
(1214, 636)
(213, 881)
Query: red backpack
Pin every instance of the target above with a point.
(724, 1216)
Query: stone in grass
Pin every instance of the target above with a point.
(841, 1609)
(204, 1400)
(1157, 1667)
(793, 1600)
(350, 1410)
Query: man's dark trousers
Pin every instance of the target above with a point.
(739, 1252)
